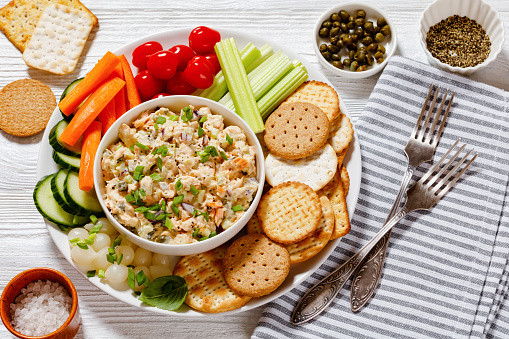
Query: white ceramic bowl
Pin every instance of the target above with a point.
(176, 103)
(476, 10)
(372, 14)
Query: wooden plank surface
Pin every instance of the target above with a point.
(24, 240)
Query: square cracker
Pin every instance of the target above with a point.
(19, 17)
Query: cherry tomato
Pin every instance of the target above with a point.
(199, 72)
(184, 54)
(148, 85)
(202, 39)
(212, 57)
(163, 64)
(178, 85)
(143, 52)
(160, 95)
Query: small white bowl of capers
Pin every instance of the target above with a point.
(354, 40)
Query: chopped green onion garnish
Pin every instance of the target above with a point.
(138, 173)
(141, 209)
(159, 163)
(237, 208)
(229, 139)
(149, 215)
(223, 155)
(93, 219)
(111, 258)
(95, 229)
(203, 238)
(195, 233)
(100, 273)
(206, 216)
(130, 278)
(111, 250)
(200, 131)
(175, 210)
(156, 177)
(167, 223)
(142, 192)
(161, 120)
(142, 279)
(194, 190)
(213, 234)
(163, 205)
(161, 216)
(204, 158)
(91, 273)
(117, 242)
(83, 246)
(187, 114)
(173, 117)
(178, 199)
(203, 119)
(178, 185)
(75, 241)
(120, 258)
(131, 148)
(143, 147)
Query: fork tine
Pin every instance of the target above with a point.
(435, 142)
(445, 167)
(450, 173)
(430, 171)
(428, 116)
(453, 181)
(435, 120)
(416, 127)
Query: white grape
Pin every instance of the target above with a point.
(101, 240)
(157, 271)
(146, 271)
(127, 254)
(101, 263)
(81, 256)
(142, 257)
(160, 259)
(78, 232)
(116, 274)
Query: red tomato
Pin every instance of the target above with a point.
(143, 52)
(202, 39)
(199, 72)
(163, 64)
(178, 85)
(160, 95)
(212, 57)
(148, 85)
(184, 54)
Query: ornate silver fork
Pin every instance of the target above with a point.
(422, 196)
(420, 149)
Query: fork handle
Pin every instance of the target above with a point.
(321, 295)
(367, 277)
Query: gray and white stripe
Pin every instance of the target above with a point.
(446, 272)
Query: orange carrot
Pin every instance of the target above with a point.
(90, 83)
(133, 97)
(120, 98)
(108, 115)
(90, 110)
(91, 140)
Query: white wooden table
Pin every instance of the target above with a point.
(24, 239)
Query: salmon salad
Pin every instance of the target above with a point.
(179, 177)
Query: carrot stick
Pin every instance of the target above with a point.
(90, 83)
(91, 140)
(90, 110)
(120, 98)
(133, 97)
(108, 115)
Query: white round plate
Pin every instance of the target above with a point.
(298, 272)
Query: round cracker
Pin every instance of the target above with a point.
(315, 171)
(289, 212)
(207, 289)
(296, 130)
(255, 266)
(341, 133)
(26, 106)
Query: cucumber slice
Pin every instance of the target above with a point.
(85, 203)
(57, 188)
(50, 209)
(67, 161)
(54, 134)
(66, 91)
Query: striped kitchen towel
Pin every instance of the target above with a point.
(446, 272)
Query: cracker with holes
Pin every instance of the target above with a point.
(315, 170)
(345, 179)
(207, 289)
(253, 225)
(58, 39)
(19, 17)
(289, 212)
(255, 266)
(296, 130)
(341, 133)
(319, 94)
(342, 220)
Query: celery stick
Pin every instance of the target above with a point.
(282, 89)
(266, 52)
(249, 55)
(238, 83)
(264, 77)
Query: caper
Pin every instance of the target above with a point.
(386, 30)
(351, 54)
(358, 31)
(359, 21)
(380, 22)
(347, 41)
(380, 60)
(368, 27)
(361, 68)
(378, 55)
(323, 48)
(335, 57)
(352, 47)
(379, 37)
(346, 62)
(350, 25)
(344, 15)
(337, 64)
(351, 19)
(340, 43)
(359, 57)
(342, 36)
(333, 49)
(361, 14)
(376, 29)
(354, 65)
(323, 33)
(367, 41)
(372, 47)
(336, 24)
(344, 28)
(326, 55)
(354, 38)
(334, 40)
(327, 24)
(381, 49)
(363, 49)
(335, 17)
(335, 31)
(370, 60)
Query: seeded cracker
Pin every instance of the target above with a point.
(58, 39)
(25, 107)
